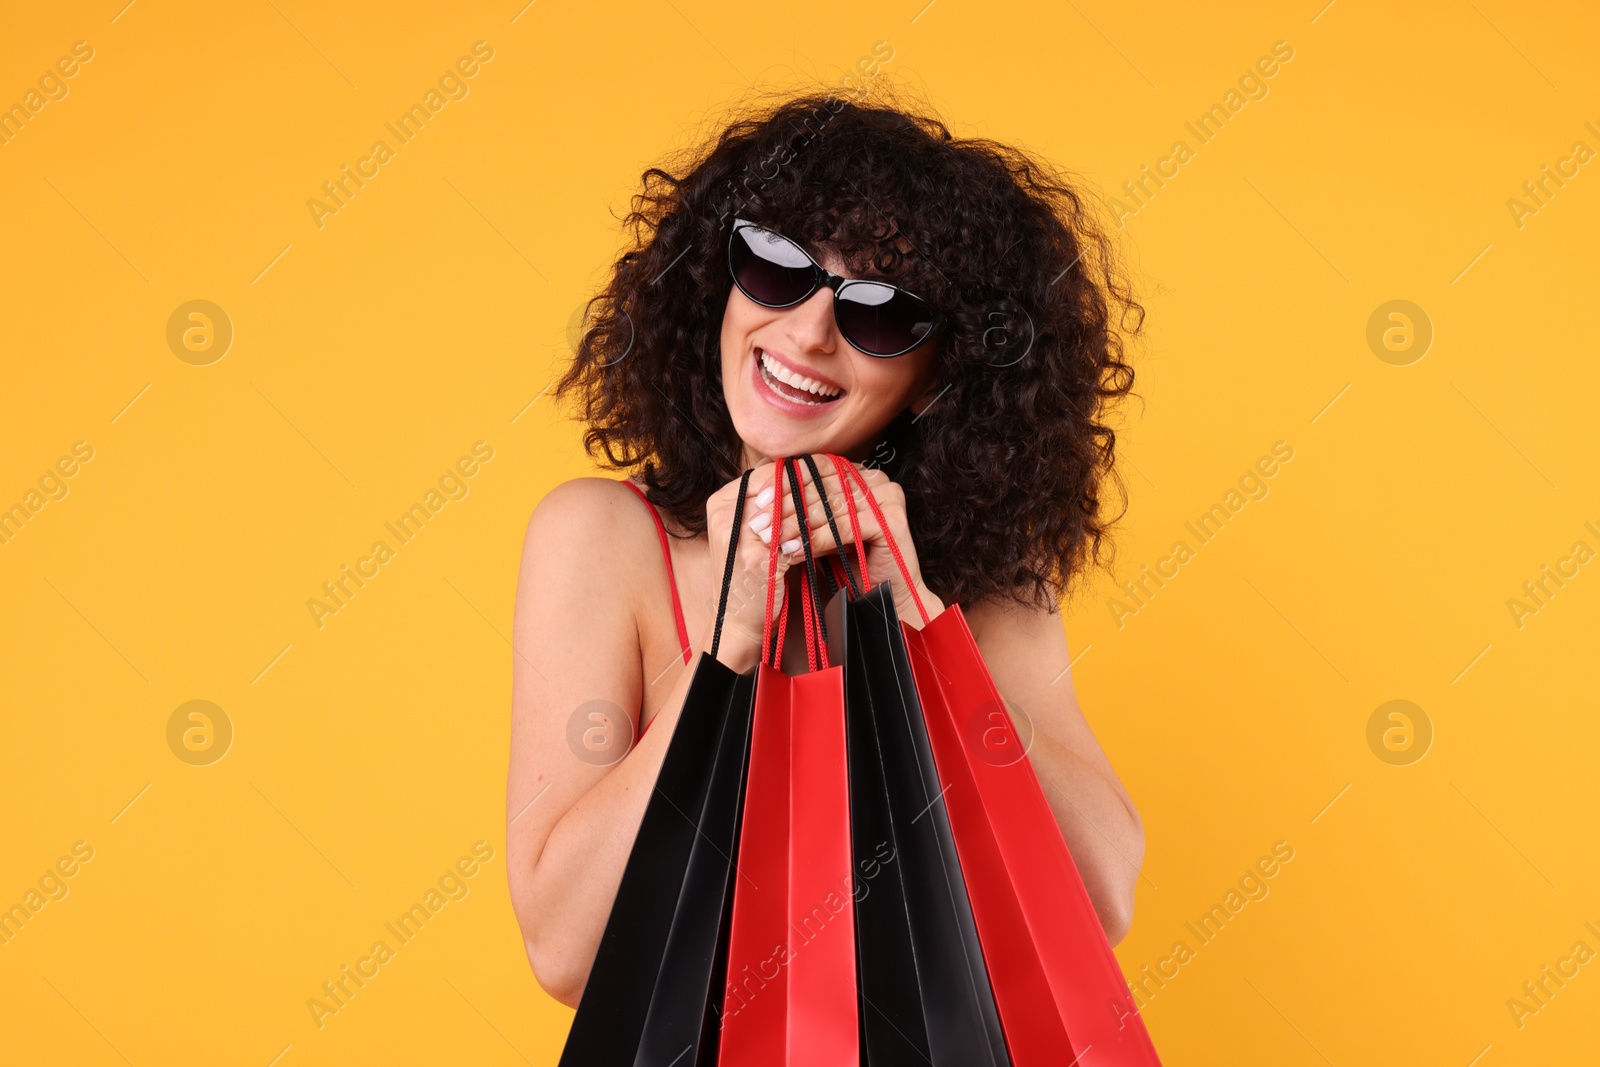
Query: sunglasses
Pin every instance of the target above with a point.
(877, 318)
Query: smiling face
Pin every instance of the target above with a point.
(794, 385)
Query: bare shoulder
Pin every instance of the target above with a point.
(586, 543)
(586, 505)
(599, 520)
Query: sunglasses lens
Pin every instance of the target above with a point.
(771, 269)
(881, 320)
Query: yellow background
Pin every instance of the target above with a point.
(428, 314)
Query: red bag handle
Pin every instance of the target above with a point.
(816, 652)
(839, 465)
(816, 641)
(888, 539)
(769, 650)
(816, 632)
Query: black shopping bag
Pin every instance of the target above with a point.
(924, 988)
(654, 995)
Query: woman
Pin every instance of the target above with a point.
(827, 277)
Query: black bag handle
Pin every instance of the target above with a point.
(727, 568)
(805, 541)
(827, 509)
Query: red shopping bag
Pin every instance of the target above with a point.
(1059, 989)
(790, 996)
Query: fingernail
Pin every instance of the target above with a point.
(764, 497)
(761, 522)
(765, 535)
(791, 546)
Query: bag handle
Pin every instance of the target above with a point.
(840, 465)
(888, 538)
(773, 649)
(816, 650)
(857, 587)
(816, 631)
(727, 568)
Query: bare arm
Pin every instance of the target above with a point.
(1024, 650)
(573, 813)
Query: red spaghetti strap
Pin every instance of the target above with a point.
(672, 582)
(888, 539)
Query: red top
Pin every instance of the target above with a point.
(672, 582)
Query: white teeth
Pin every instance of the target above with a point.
(798, 381)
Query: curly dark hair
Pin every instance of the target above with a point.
(1003, 473)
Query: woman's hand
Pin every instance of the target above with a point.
(881, 565)
(743, 624)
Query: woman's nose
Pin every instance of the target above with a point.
(812, 322)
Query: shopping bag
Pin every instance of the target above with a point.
(1058, 986)
(654, 992)
(791, 994)
(925, 992)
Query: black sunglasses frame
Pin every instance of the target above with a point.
(821, 276)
